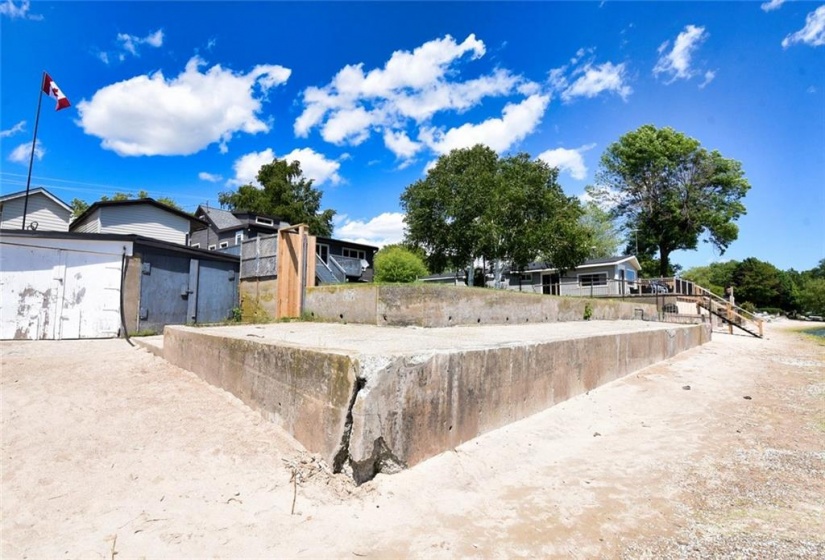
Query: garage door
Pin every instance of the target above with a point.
(51, 294)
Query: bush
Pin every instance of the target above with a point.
(396, 264)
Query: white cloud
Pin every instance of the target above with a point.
(812, 34)
(676, 63)
(709, 76)
(19, 127)
(517, 121)
(594, 80)
(568, 160)
(407, 92)
(314, 166)
(12, 10)
(384, 229)
(210, 177)
(772, 5)
(130, 43)
(146, 115)
(23, 152)
(586, 79)
(400, 144)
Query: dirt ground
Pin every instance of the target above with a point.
(109, 452)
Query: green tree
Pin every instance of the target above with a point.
(759, 283)
(394, 263)
(78, 207)
(286, 193)
(812, 297)
(671, 191)
(474, 204)
(714, 277)
(605, 238)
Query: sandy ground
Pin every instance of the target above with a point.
(109, 452)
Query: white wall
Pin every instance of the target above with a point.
(90, 224)
(49, 215)
(59, 288)
(146, 220)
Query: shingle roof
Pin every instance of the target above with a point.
(222, 219)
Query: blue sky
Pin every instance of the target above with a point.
(188, 99)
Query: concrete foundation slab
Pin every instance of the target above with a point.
(377, 399)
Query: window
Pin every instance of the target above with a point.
(354, 253)
(264, 221)
(211, 247)
(598, 279)
(238, 238)
(322, 251)
(630, 275)
(224, 244)
(196, 245)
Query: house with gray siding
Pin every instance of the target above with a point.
(611, 276)
(44, 212)
(226, 230)
(145, 217)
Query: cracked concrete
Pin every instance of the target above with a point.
(380, 399)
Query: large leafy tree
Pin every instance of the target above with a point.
(474, 204)
(671, 191)
(285, 193)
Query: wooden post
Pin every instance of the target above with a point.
(296, 269)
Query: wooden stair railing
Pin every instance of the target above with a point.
(732, 314)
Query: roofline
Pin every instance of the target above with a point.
(609, 262)
(139, 239)
(35, 190)
(319, 238)
(132, 202)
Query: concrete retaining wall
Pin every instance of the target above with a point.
(372, 399)
(259, 299)
(426, 305)
(305, 391)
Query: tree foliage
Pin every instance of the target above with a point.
(286, 193)
(395, 263)
(605, 238)
(671, 191)
(475, 204)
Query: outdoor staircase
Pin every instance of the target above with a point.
(732, 315)
(328, 273)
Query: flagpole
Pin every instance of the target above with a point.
(34, 144)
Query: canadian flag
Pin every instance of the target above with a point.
(50, 88)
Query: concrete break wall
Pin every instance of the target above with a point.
(371, 399)
(427, 305)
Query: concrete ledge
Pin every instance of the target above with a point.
(376, 399)
(428, 305)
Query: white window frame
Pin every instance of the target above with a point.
(238, 237)
(358, 254)
(212, 247)
(195, 245)
(601, 279)
(320, 252)
(264, 221)
(224, 244)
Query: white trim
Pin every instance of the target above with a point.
(34, 191)
(212, 247)
(264, 221)
(224, 244)
(195, 245)
(579, 279)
